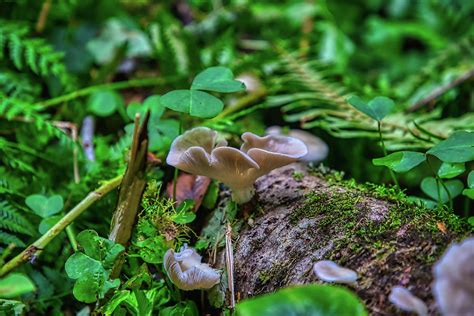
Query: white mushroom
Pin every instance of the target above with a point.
(330, 271)
(404, 300)
(187, 272)
(198, 152)
(453, 286)
(317, 149)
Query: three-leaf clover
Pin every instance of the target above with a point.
(199, 103)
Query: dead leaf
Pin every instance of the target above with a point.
(189, 187)
(442, 227)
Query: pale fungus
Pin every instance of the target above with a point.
(317, 149)
(330, 271)
(404, 300)
(453, 286)
(198, 152)
(187, 272)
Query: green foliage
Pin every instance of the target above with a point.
(104, 102)
(401, 161)
(202, 104)
(217, 79)
(304, 300)
(12, 221)
(441, 192)
(458, 148)
(45, 206)
(15, 284)
(377, 108)
(91, 268)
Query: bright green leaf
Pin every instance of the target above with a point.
(217, 79)
(47, 223)
(377, 108)
(308, 300)
(184, 217)
(470, 180)
(450, 170)
(430, 187)
(80, 264)
(469, 193)
(105, 102)
(152, 103)
(183, 308)
(196, 103)
(459, 147)
(152, 250)
(470, 220)
(428, 203)
(44, 206)
(401, 161)
(15, 284)
(210, 199)
(87, 288)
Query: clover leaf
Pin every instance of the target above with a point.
(217, 79)
(377, 108)
(45, 206)
(401, 161)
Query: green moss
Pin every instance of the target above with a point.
(343, 214)
(298, 176)
(274, 273)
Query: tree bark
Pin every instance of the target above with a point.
(304, 216)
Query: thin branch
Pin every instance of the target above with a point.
(108, 86)
(441, 90)
(35, 248)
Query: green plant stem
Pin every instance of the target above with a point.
(438, 181)
(241, 103)
(392, 174)
(44, 240)
(72, 237)
(109, 86)
(175, 176)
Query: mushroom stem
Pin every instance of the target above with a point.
(243, 195)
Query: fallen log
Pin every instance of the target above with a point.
(309, 215)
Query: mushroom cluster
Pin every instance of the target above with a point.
(197, 151)
(187, 272)
(453, 286)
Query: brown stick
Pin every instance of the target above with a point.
(441, 90)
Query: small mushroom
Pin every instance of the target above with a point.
(330, 271)
(404, 300)
(197, 151)
(317, 149)
(187, 272)
(453, 286)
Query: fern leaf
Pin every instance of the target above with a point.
(6, 239)
(12, 220)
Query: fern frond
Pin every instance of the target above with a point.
(6, 239)
(307, 96)
(34, 54)
(12, 220)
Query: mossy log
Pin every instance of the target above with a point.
(303, 216)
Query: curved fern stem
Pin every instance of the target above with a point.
(44, 240)
(107, 86)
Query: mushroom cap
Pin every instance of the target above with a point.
(329, 271)
(317, 149)
(453, 286)
(198, 152)
(404, 300)
(187, 272)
